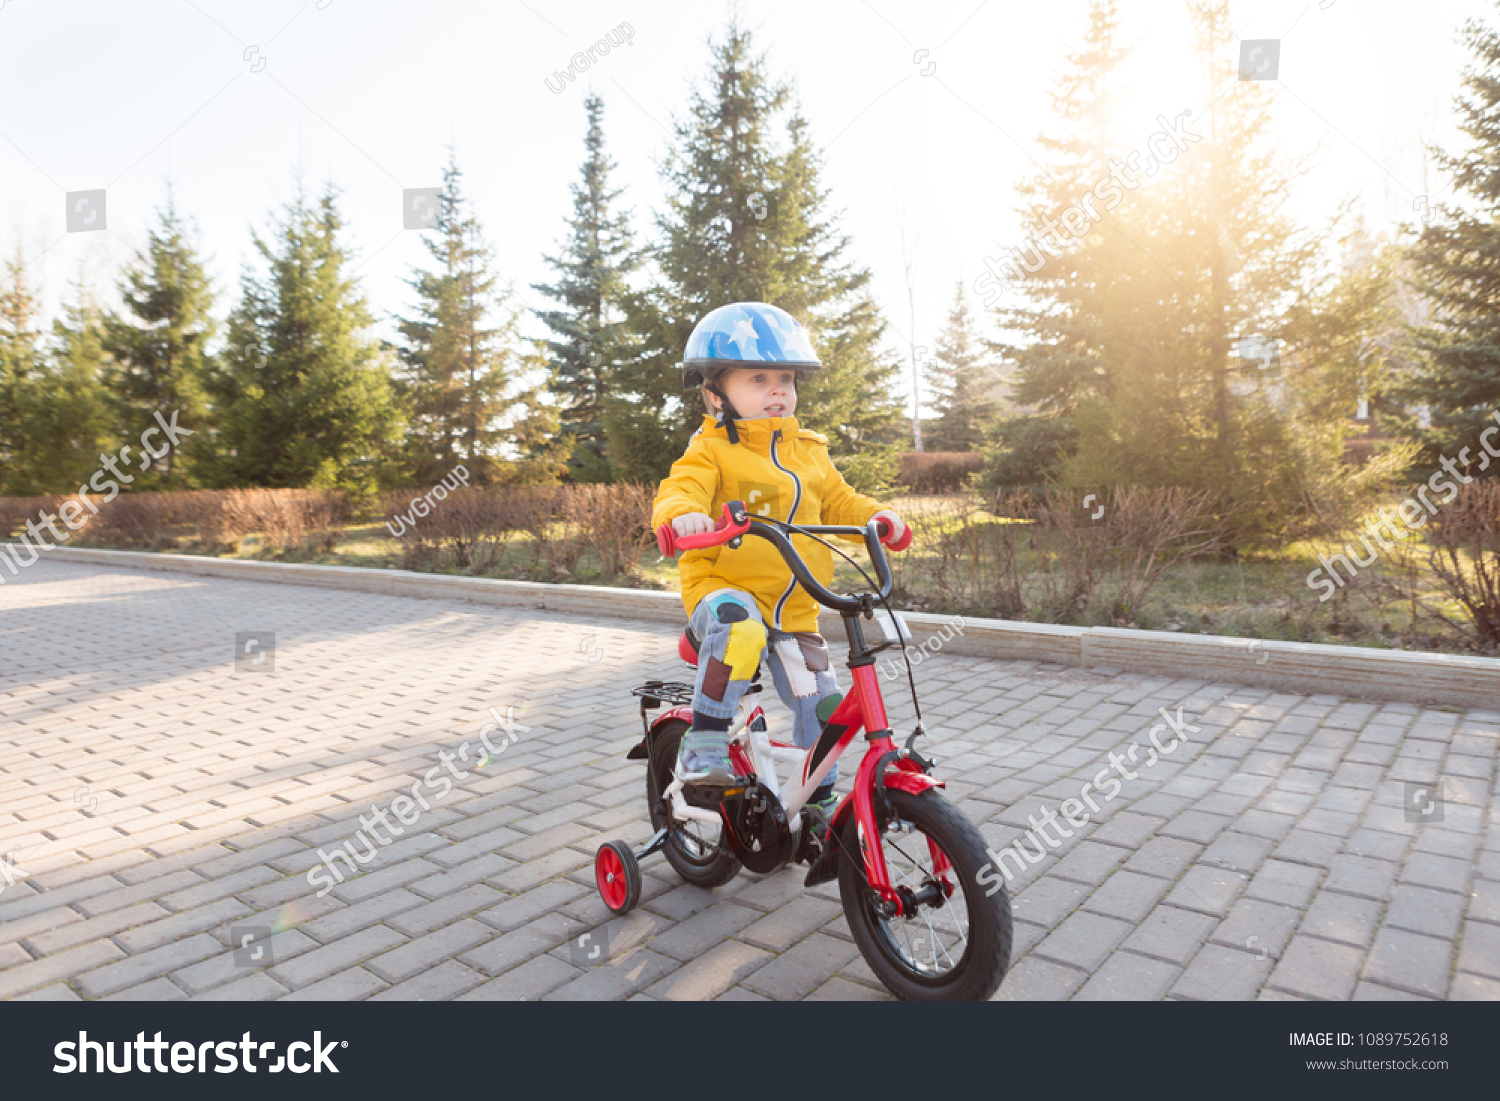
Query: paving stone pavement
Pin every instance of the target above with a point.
(158, 806)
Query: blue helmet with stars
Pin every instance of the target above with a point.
(746, 334)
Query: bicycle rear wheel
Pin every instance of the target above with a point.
(956, 945)
(696, 850)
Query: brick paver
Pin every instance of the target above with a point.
(160, 810)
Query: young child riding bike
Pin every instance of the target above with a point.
(743, 603)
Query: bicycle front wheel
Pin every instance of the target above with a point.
(956, 945)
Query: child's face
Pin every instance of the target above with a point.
(759, 391)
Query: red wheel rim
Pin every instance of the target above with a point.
(609, 871)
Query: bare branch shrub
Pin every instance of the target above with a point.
(1464, 542)
(134, 521)
(1053, 558)
(613, 519)
(298, 520)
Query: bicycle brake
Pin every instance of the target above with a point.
(910, 751)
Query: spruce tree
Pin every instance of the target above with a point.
(160, 348)
(54, 420)
(1059, 358)
(460, 353)
(962, 382)
(543, 449)
(589, 331)
(1457, 261)
(747, 220)
(20, 364)
(1136, 323)
(1189, 403)
(304, 396)
(69, 419)
(1206, 257)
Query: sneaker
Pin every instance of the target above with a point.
(703, 757)
(819, 809)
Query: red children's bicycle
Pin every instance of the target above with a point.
(910, 866)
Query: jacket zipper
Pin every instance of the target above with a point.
(791, 517)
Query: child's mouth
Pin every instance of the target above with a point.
(776, 410)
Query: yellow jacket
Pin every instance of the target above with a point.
(781, 472)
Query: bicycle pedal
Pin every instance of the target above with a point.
(709, 796)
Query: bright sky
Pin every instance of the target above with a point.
(369, 94)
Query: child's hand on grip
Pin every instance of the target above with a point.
(692, 523)
(898, 525)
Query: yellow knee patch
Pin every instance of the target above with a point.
(747, 639)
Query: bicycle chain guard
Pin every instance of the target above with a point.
(757, 829)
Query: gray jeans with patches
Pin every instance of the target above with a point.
(732, 639)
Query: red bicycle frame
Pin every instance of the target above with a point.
(864, 708)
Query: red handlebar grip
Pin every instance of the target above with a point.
(666, 541)
(884, 527)
(726, 529)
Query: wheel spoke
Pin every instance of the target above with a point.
(963, 933)
(911, 949)
(914, 873)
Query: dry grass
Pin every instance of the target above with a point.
(1146, 561)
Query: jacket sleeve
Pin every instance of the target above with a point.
(690, 487)
(841, 504)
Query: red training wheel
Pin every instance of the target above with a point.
(618, 876)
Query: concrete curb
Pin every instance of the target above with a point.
(1306, 668)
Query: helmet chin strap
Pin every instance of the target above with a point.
(726, 411)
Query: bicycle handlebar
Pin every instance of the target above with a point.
(737, 522)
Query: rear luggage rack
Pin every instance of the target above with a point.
(656, 692)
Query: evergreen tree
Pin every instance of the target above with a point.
(1220, 261)
(1060, 359)
(20, 364)
(536, 435)
(1136, 321)
(54, 420)
(68, 418)
(460, 354)
(747, 221)
(962, 382)
(304, 396)
(160, 349)
(590, 334)
(1457, 260)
